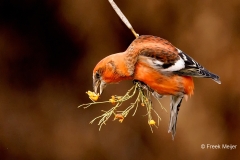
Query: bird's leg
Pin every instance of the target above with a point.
(142, 85)
(146, 87)
(156, 95)
(174, 108)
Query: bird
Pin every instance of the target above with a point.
(159, 66)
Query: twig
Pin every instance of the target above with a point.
(123, 18)
(89, 104)
(143, 97)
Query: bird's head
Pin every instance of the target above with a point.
(111, 69)
(105, 72)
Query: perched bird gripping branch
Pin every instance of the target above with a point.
(155, 62)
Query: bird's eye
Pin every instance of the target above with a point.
(97, 75)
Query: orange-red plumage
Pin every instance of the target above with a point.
(163, 84)
(154, 61)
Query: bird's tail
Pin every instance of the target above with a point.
(174, 108)
(214, 77)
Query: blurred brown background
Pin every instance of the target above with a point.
(48, 49)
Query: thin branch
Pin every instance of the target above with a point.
(123, 18)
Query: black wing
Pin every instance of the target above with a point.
(193, 68)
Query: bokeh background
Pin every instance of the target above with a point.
(48, 49)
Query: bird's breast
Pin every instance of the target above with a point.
(165, 83)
